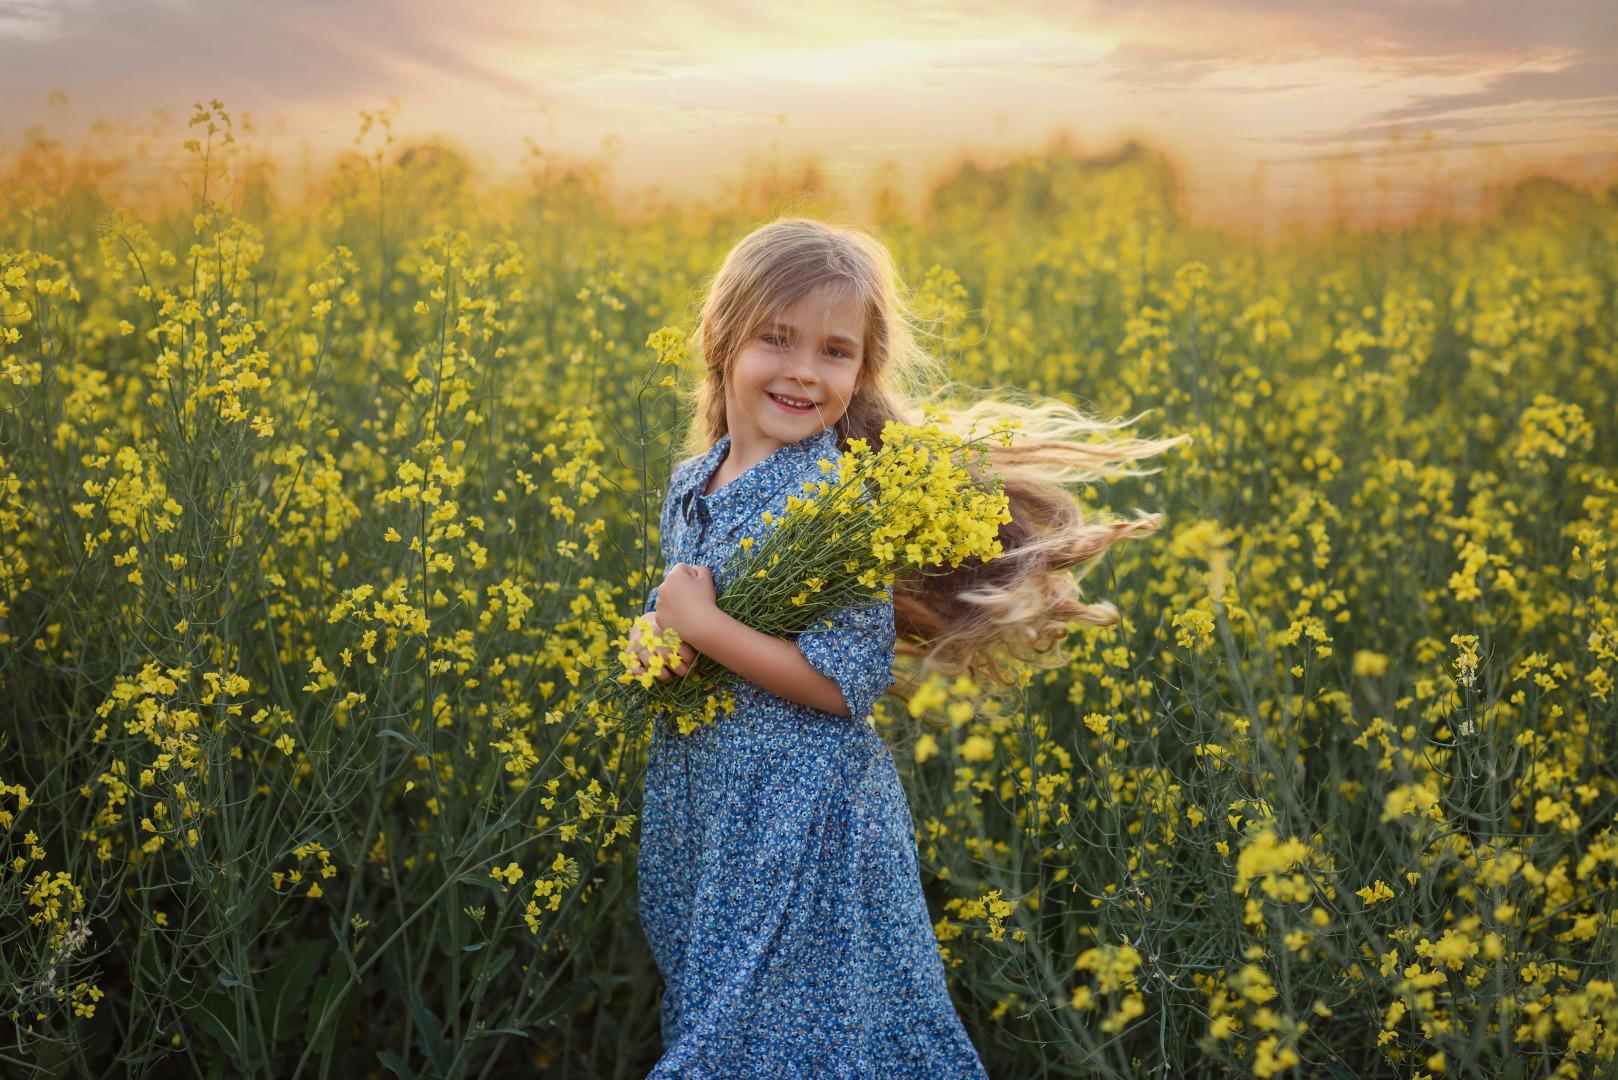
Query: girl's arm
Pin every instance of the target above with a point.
(776, 664)
(686, 603)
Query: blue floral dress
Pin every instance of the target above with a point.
(778, 880)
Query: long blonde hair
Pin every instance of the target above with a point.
(1018, 605)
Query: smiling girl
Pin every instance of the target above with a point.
(779, 885)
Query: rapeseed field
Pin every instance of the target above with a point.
(321, 526)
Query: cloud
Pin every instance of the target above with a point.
(1394, 30)
(1577, 98)
(108, 53)
(111, 55)
(30, 18)
(1593, 78)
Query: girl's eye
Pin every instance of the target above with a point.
(774, 339)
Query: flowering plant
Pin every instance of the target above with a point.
(919, 501)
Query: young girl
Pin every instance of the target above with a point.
(778, 874)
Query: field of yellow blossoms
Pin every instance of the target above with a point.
(320, 526)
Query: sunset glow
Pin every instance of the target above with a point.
(1303, 109)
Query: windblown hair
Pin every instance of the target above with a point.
(1018, 605)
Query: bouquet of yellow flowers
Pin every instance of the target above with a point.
(920, 501)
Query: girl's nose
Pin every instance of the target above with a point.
(802, 366)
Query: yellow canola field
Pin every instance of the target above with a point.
(320, 526)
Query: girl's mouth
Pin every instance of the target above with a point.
(797, 406)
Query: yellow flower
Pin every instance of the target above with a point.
(976, 748)
(1375, 892)
(931, 695)
(1369, 663)
(510, 875)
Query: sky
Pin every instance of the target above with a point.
(1268, 108)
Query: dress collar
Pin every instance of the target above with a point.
(758, 483)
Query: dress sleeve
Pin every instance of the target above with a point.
(853, 647)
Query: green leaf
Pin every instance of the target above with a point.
(286, 985)
(396, 1063)
(216, 1016)
(489, 970)
(455, 930)
(404, 737)
(331, 994)
(482, 881)
(431, 1030)
(491, 775)
(495, 966)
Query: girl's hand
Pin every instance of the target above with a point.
(643, 646)
(686, 601)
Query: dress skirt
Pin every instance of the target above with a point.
(780, 894)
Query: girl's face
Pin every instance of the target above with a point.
(796, 375)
